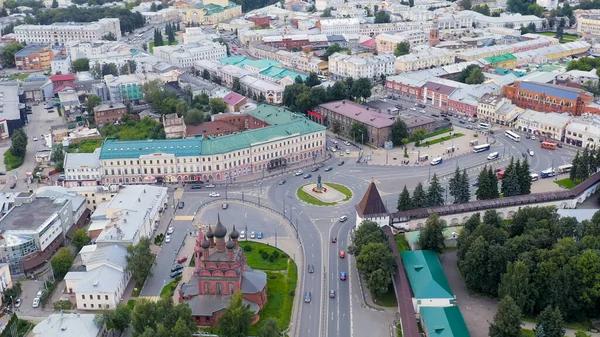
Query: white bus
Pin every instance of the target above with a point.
(481, 148)
(512, 136)
(565, 168)
(484, 125)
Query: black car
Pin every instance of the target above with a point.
(180, 205)
(341, 163)
(176, 273)
(176, 268)
(447, 119)
(435, 115)
(196, 187)
(461, 121)
(13, 185)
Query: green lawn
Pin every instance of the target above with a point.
(441, 139)
(527, 333)
(436, 133)
(151, 45)
(309, 199)
(256, 261)
(281, 288)
(388, 299)
(566, 183)
(401, 243)
(11, 162)
(399, 329)
(169, 289)
(17, 77)
(85, 146)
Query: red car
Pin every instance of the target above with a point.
(182, 259)
(342, 254)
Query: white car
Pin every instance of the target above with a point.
(35, 139)
(334, 141)
(167, 239)
(170, 230)
(252, 235)
(39, 293)
(242, 234)
(422, 111)
(413, 109)
(333, 149)
(341, 154)
(347, 151)
(299, 173)
(36, 302)
(214, 194)
(531, 152)
(347, 143)
(532, 137)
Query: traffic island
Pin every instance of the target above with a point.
(324, 194)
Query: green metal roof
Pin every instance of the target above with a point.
(235, 60)
(278, 72)
(500, 58)
(274, 115)
(413, 236)
(262, 63)
(444, 322)
(114, 149)
(425, 274)
(210, 9)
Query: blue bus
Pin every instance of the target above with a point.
(481, 148)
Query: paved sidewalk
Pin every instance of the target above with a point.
(568, 332)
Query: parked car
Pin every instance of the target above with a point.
(531, 153)
(35, 139)
(170, 230)
(347, 151)
(347, 143)
(210, 186)
(13, 185)
(252, 235)
(196, 187)
(167, 239)
(299, 173)
(214, 194)
(18, 302)
(311, 268)
(343, 218)
(259, 235)
(176, 267)
(306, 176)
(314, 169)
(343, 276)
(341, 163)
(36, 302)
(182, 259)
(242, 234)
(176, 273)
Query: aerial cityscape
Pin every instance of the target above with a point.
(326, 168)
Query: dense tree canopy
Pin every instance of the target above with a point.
(8, 54)
(402, 48)
(161, 318)
(432, 235)
(145, 128)
(139, 261)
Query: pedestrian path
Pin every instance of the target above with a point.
(568, 332)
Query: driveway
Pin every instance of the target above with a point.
(478, 311)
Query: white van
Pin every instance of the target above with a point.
(493, 155)
(534, 176)
(484, 126)
(436, 161)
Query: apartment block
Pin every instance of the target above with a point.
(109, 113)
(342, 65)
(36, 57)
(186, 55)
(60, 33)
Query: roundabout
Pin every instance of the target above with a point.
(324, 194)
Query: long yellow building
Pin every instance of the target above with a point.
(211, 12)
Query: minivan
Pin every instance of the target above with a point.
(493, 155)
(436, 161)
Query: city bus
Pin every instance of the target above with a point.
(513, 136)
(551, 172)
(481, 148)
(548, 145)
(484, 126)
(565, 168)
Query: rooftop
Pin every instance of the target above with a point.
(426, 275)
(360, 113)
(210, 128)
(31, 49)
(83, 159)
(30, 216)
(109, 107)
(551, 89)
(371, 203)
(444, 322)
(67, 325)
(500, 58)
(233, 98)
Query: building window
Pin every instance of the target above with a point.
(98, 296)
(92, 305)
(106, 297)
(83, 297)
(84, 305)
(91, 298)
(219, 289)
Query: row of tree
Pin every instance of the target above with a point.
(507, 321)
(373, 257)
(516, 181)
(100, 70)
(472, 74)
(129, 20)
(585, 164)
(170, 30)
(8, 53)
(421, 199)
(237, 318)
(537, 258)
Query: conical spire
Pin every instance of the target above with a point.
(220, 230)
(371, 202)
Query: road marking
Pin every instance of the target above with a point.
(184, 217)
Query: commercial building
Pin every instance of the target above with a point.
(578, 77)
(209, 290)
(548, 97)
(37, 225)
(102, 284)
(424, 57)
(506, 20)
(374, 29)
(162, 16)
(63, 32)
(234, 101)
(463, 100)
(68, 325)
(505, 61)
(82, 169)
(497, 109)
(339, 26)
(584, 131)
(387, 43)
(342, 65)
(290, 139)
(544, 124)
(36, 57)
(61, 64)
(109, 113)
(12, 113)
(131, 214)
(211, 12)
(346, 113)
(588, 25)
(186, 55)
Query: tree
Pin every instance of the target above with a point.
(367, 232)
(516, 284)
(465, 191)
(117, 319)
(524, 178)
(217, 105)
(419, 199)
(336, 127)
(80, 238)
(402, 48)
(11, 294)
(334, 48)
(54, 4)
(475, 77)
(560, 31)
(8, 54)
(326, 13)
(58, 157)
(435, 192)
(140, 260)
(466, 4)
(236, 319)
(378, 282)
(552, 321)
(404, 202)
(359, 132)
(62, 262)
(312, 80)
(194, 117)
(109, 37)
(417, 136)
(82, 64)
(510, 182)
(18, 143)
(432, 236)
(158, 39)
(575, 167)
(454, 185)
(181, 329)
(399, 132)
(92, 102)
(206, 75)
(153, 7)
(382, 17)
(269, 328)
(361, 88)
(374, 256)
(507, 321)
(339, 91)
(411, 3)
(483, 9)
(236, 85)
(485, 184)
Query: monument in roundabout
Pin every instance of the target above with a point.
(327, 194)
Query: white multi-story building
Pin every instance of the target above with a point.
(506, 20)
(460, 20)
(424, 57)
(320, 5)
(339, 26)
(584, 131)
(90, 49)
(349, 10)
(161, 16)
(196, 34)
(548, 4)
(60, 33)
(588, 24)
(127, 87)
(186, 55)
(82, 169)
(374, 29)
(548, 124)
(343, 65)
(388, 42)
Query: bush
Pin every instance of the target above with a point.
(264, 255)
(475, 135)
(248, 248)
(284, 255)
(272, 258)
(273, 277)
(63, 305)
(260, 251)
(275, 254)
(11, 161)
(292, 293)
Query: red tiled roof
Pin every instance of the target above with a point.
(360, 113)
(64, 85)
(369, 43)
(66, 77)
(439, 88)
(233, 98)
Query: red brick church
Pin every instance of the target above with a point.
(220, 272)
